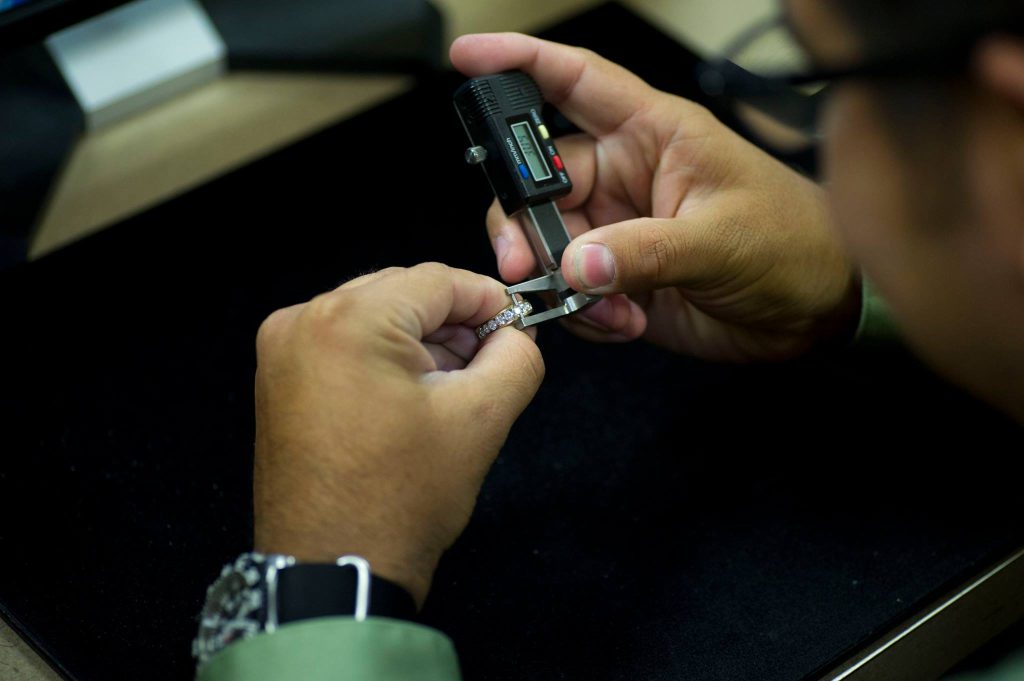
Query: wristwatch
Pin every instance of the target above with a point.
(260, 592)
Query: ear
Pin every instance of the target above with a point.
(999, 65)
(999, 68)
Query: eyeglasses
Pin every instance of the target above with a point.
(766, 68)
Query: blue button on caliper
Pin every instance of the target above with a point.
(523, 171)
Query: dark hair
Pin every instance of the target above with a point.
(894, 26)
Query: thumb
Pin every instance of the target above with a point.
(497, 385)
(644, 254)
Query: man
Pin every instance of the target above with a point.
(376, 421)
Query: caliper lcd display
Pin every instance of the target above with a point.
(528, 145)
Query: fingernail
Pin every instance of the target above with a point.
(501, 249)
(595, 266)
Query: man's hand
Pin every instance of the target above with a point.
(378, 413)
(724, 253)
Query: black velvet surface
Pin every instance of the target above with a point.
(650, 517)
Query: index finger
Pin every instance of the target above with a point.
(594, 93)
(424, 298)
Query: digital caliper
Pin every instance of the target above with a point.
(502, 117)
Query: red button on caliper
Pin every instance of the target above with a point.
(558, 162)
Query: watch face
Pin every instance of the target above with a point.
(234, 606)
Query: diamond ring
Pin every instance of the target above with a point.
(517, 310)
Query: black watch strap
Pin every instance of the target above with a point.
(309, 590)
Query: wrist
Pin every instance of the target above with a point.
(258, 593)
(390, 559)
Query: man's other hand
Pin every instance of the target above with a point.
(724, 253)
(378, 414)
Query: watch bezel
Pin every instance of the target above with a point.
(236, 604)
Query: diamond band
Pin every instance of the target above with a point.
(519, 309)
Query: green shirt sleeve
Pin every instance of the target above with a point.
(338, 649)
(877, 326)
(1010, 669)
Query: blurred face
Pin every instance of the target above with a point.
(925, 193)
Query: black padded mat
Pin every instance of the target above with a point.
(651, 516)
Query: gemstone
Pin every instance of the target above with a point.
(492, 325)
